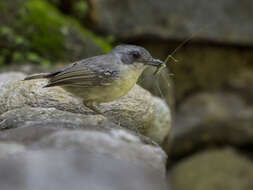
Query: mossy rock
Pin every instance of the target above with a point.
(43, 33)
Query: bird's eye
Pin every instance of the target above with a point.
(136, 54)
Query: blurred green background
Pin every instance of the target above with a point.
(210, 91)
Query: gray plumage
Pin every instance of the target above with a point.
(102, 78)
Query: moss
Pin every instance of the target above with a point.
(101, 42)
(106, 47)
(3, 6)
(1, 60)
(80, 9)
(45, 28)
(40, 33)
(48, 28)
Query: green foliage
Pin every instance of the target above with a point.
(18, 57)
(45, 27)
(80, 9)
(5, 30)
(3, 6)
(101, 42)
(40, 33)
(1, 60)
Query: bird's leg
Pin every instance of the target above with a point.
(93, 107)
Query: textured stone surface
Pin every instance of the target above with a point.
(160, 85)
(209, 67)
(49, 169)
(162, 124)
(243, 84)
(8, 78)
(212, 118)
(116, 143)
(8, 150)
(230, 20)
(47, 131)
(28, 116)
(214, 169)
(27, 135)
(136, 110)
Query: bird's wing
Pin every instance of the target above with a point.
(85, 73)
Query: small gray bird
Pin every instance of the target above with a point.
(102, 78)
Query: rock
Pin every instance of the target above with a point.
(162, 124)
(141, 110)
(231, 21)
(201, 68)
(26, 68)
(30, 93)
(10, 150)
(117, 143)
(50, 131)
(212, 118)
(38, 129)
(27, 116)
(9, 78)
(28, 135)
(223, 169)
(137, 110)
(29, 125)
(51, 169)
(243, 84)
(159, 85)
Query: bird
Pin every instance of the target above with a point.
(102, 78)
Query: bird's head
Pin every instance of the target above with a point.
(136, 55)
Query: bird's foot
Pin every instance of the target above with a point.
(93, 107)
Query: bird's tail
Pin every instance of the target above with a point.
(38, 76)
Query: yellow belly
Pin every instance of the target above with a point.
(111, 92)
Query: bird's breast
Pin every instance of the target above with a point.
(116, 88)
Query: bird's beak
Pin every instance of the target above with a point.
(155, 62)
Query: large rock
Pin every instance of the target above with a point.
(8, 150)
(207, 67)
(214, 169)
(116, 143)
(50, 131)
(81, 136)
(137, 110)
(166, 19)
(159, 85)
(112, 141)
(212, 118)
(243, 84)
(51, 169)
(9, 78)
